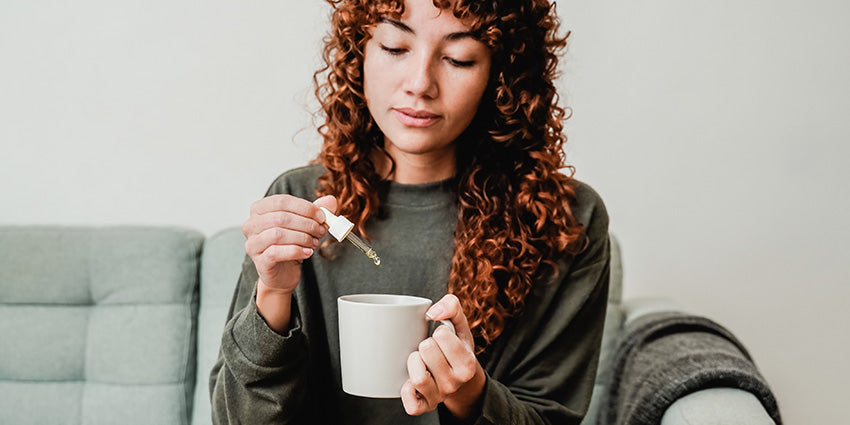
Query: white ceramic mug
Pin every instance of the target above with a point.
(377, 333)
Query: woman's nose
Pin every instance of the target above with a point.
(421, 79)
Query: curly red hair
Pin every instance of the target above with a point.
(514, 215)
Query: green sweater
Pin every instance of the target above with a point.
(539, 371)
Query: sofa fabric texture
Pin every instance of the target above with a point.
(97, 325)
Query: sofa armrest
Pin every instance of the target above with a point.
(713, 406)
(716, 406)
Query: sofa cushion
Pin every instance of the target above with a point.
(98, 324)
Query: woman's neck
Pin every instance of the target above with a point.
(416, 169)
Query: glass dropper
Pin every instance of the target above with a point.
(340, 228)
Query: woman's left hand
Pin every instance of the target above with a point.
(445, 369)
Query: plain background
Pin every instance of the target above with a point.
(717, 133)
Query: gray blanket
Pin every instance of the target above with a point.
(664, 356)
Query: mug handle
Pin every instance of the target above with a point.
(447, 323)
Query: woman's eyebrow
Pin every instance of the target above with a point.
(398, 24)
(450, 37)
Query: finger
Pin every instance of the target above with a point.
(460, 357)
(278, 236)
(449, 308)
(328, 202)
(288, 203)
(284, 220)
(414, 403)
(279, 253)
(421, 379)
(439, 367)
(426, 394)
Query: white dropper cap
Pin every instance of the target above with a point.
(338, 226)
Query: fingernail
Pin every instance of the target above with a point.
(320, 216)
(308, 252)
(435, 311)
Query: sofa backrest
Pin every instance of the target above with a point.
(97, 325)
(100, 325)
(614, 318)
(614, 315)
(220, 268)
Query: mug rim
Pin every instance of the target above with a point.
(368, 299)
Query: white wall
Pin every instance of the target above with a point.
(163, 112)
(716, 132)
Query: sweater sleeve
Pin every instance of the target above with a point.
(544, 373)
(259, 376)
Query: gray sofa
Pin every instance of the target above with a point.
(121, 325)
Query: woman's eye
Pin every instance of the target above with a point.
(394, 51)
(459, 63)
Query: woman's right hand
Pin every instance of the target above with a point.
(281, 232)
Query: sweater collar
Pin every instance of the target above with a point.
(419, 195)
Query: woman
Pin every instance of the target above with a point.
(442, 143)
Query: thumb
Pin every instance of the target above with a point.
(327, 201)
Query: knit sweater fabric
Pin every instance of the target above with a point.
(539, 371)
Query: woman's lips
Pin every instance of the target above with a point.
(414, 118)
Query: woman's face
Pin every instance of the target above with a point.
(424, 76)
